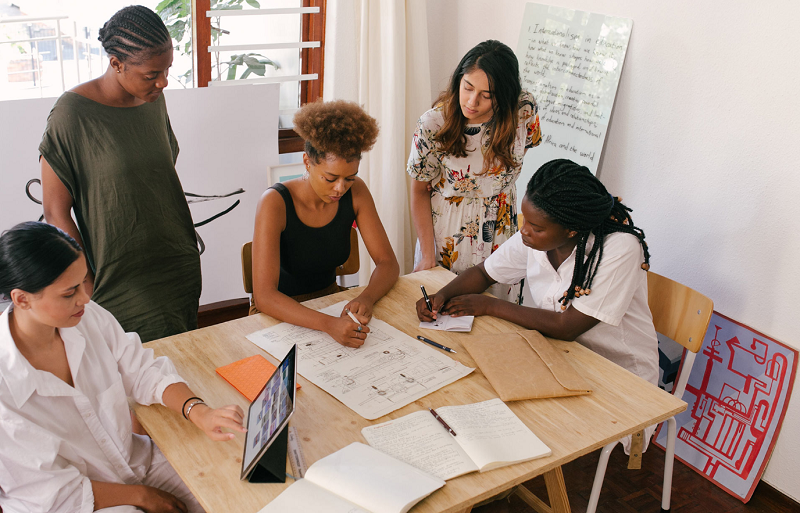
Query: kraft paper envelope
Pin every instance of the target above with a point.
(524, 365)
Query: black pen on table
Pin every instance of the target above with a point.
(442, 422)
(427, 299)
(434, 344)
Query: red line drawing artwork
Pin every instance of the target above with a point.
(737, 394)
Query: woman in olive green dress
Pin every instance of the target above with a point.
(108, 154)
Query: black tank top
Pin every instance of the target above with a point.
(310, 256)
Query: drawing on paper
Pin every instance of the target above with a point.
(388, 372)
(737, 393)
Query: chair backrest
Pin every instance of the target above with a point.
(351, 266)
(680, 313)
(247, 267)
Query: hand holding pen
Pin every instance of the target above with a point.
(428, 306)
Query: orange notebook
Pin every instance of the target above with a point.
(248, 375)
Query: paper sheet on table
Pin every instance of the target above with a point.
(388, 372)
(447, 323)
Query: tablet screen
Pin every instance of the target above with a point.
(270, 411)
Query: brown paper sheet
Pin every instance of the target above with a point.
(524, 365)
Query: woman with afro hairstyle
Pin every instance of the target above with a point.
(465, 158)
(585, 263)
(302, 228)
(108, 155)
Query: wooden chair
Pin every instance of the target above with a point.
(683, 315)
(351, 266)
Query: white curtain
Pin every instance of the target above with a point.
(376, 54)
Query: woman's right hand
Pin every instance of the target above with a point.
(153, 500)
(429, 315)
(346, 332)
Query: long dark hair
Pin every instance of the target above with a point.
(502, 69)
(33, 255)
(574, 198)
(134, 32)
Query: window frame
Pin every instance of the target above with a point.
(312, 60)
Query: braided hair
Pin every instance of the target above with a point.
(574, 198)
(132, 31)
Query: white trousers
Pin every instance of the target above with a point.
(161, 475)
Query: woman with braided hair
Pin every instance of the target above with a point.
(585, 264)
(108, 155)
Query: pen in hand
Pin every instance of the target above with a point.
(427, 299)
(350, 314)
(442, 422)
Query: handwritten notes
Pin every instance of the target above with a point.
(571, 61)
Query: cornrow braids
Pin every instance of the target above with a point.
(574, 198)
(132, 31)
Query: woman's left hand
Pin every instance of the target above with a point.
(213, 421)
(468, 304)
(360, 308)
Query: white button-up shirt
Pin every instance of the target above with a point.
(55, 438)
(625, 334)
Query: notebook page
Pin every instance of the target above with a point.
(444, 322)
(421, 441)
(373, 480)
(304, 496)
(492, 435)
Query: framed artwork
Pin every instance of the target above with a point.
(737, 393)
(285, 172)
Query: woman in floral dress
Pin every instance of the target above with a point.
(463, 201)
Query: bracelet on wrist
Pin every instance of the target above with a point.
(183, 408)
(192, 405)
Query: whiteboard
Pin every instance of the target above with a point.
(571, 61)
(228, 138)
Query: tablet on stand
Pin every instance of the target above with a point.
(265, 447)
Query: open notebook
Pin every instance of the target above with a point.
(446, 323)
(356, 479)
(488, 436)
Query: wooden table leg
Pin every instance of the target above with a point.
(557, 491)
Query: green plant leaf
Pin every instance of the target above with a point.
(163, 5)
(245, 74)
(254, 3)
(231, 72)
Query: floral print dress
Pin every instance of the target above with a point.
(474, 211)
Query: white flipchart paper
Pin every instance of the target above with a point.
(388, 372)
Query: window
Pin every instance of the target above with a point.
(50, 46)
(274, 41)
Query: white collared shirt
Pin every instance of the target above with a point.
(625, 334)
(55, 438)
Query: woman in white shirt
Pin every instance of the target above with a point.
(66, 371)
(584, 262)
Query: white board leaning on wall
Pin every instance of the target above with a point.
(571, 61)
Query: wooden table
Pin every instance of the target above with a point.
(621, 404)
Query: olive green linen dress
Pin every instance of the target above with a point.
(119, 166)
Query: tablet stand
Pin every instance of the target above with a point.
(271, 468)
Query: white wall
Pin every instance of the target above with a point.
(703, 145)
